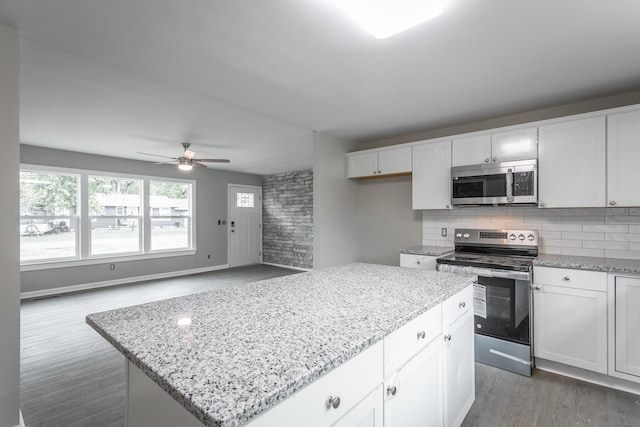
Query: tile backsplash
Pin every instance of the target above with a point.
(597, 232)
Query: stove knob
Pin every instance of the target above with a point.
(466, 235)
(512, 236)
(521, 237)
(458, 235)
(531, 237)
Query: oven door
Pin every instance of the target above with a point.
(501, 308)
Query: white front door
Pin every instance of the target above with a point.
(244, 225)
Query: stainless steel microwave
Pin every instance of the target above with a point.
(506, 183)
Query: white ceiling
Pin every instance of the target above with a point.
(250, 80)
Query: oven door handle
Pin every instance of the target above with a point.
(509, 185)
(484, 272)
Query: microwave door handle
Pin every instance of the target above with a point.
(509, 185)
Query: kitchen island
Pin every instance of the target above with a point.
(231, 356)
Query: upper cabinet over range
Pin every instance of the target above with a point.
(623, 159)
(373, 163)
(517, 144)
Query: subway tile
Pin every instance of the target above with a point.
(582, 236)
(435, 224)
(531, 225)
(634, 211)
(550, 234)
(515, 220)
(524, 212)
(612, 228)
(583, 252)
(562, 212)
(560, 243)
(622, 254)
(550, 250)
(443, 218)
(583, 219)
(547, 219)
(634, 228)
(605, 211)
(562, 227)
(622, 237)
(592, 244)
(499, 218)
(622, 220)
(466, 212)
(428, 242)
(633, 247)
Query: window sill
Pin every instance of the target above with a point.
(103, 260)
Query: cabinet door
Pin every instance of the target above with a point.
(571, 165)
(570, 326)
(367, 413)
(413, 395)
(623, 152)
(395, 160)
(471, 150)
(365, 164)
(431, 183)
(519, 144)
(627, 317)
(459, 370)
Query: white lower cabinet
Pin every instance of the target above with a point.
(627, 327)
(458, 359)
(418, 261)
(413, 394)
(367, 413)
(570, 321)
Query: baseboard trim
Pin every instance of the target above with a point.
(123, 281)
(588, 376)
(291, 267)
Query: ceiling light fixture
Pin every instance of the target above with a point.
(384, 18)
(185, 165)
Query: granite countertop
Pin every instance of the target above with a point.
(250, 346)
(427, 250)
(613, 265)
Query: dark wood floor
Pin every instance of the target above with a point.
(70, 376)
(504, 399)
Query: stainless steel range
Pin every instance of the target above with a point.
(503, 262)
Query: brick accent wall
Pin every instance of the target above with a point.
(596, 232)
(287, 219)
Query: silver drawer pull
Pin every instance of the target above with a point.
(447, 337)
(391, 390)
(334, 401)
(421, 334)
(566, 278)
(461, 305)
(536, 288)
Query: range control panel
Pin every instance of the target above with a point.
(496, 237)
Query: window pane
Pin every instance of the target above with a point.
(244, 200)
(114, 206)
(48, 205)
(170, 207)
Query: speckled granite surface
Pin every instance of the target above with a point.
(613, 265)
(250, 346)
(427, 250)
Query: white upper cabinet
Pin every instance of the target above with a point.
(431, 186)
(571, 164)
(516, 144)
(387, 161)
(471, 150)
(623, 156)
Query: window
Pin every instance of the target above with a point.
(244, 200)
(68, 215)
(48, 215)
(170, 204)
(113, 229)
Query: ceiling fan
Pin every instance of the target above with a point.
(187, 161)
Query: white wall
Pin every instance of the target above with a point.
(9, 261)
(335, 203)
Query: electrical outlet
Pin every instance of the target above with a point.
(444, 232)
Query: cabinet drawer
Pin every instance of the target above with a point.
(406, 342)
(418, 261)
(350, 382)
(569, 278)
(457, 305)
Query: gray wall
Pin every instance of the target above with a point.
(335, 203)
(9, 261)
(386, 221)
(211, 205)
(287, 219)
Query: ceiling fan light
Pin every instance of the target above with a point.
(185, 165)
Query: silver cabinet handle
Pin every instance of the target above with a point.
(462, 305)
(487, 160)
(447, 337)
(418, 262)
(421, 334)
(375, 172)
(541, 204)
(566, 278)
(448, 206)
(334, 401)
(391, 390)
(379, 171)
(493, 159)
(537, 288)
(612, 203)
(509, 185)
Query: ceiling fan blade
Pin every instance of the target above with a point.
(164, 163)
(212, 160)
(157, 155)
(197, 165)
